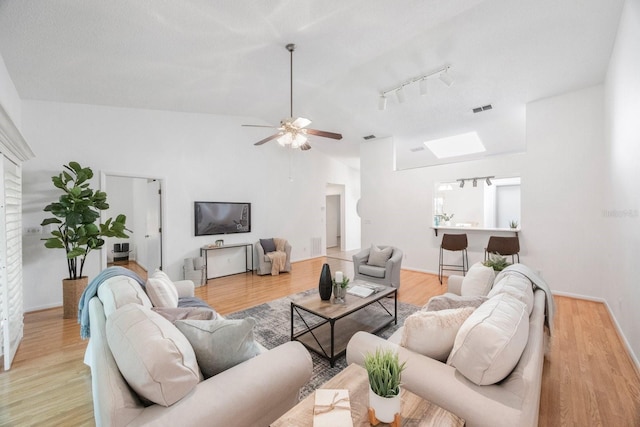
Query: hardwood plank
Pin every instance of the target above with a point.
(588, 378)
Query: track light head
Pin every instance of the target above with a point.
(400, 94)
(475, 182)
(446, 78)
(461, 183)
(488, 180)
(424, 88)
(382, 103)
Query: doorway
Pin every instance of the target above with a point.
(140, 199)
(334, 218)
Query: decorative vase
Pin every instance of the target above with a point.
(385, 408)
(71, 292)
(324, 285)
(338, 294)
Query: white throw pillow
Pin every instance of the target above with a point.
(432, 333)
(119, 291)
(477, 281)
(516, 285)
(162, 291)
(379, 257)
(153, 356)
(490, 342)
(220, 344)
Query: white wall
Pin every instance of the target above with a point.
(561, 192)
(200, 157)
(621, 208)
(9, 98)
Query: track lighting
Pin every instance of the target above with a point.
(424, 88)
(446, 78)
(474, 180)
(382, 103)
(442, 74)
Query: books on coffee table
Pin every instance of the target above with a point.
(363, 290)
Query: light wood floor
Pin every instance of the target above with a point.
(588, 380)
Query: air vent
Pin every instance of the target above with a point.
(416, 149)
(368, 137)
(483, 108)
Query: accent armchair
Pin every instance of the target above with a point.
(265, 264)
(371, 270)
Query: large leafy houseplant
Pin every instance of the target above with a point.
(75, 215)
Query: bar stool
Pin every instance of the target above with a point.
(504, 246)
(453, 242)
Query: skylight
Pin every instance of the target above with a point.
(457, 145)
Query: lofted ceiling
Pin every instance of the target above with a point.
(228, 57)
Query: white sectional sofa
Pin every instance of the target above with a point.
(252, 393)
(513, 401)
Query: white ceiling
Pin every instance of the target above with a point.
(228, 57)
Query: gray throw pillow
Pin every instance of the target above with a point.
(220, 344)
(185, 313)
(379, 257)
(268, 245)
(449, 301)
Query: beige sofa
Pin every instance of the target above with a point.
(253, 393)
(511, 402)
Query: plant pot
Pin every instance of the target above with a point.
(339, 294)
(324, 284)
(71, 292)
(385, 408)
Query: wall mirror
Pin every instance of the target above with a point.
(495, 206)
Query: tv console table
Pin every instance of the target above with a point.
(248, 249)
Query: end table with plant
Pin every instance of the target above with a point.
(77, 228)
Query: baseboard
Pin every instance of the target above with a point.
(44, 307)
(619, 331)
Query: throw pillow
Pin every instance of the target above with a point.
(517, 285)
(161, 290)
(119, 291)
(268, 245)
(379, 257)
(184, 313)
(477, 281)
(153, 356)
(447, 301)
(220, 344)
(490, 342)
(432, 333)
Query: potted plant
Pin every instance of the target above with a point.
(384, 370)
(513, 224)
(340, 284)
(446, 218)
(75, 216)
(497, 262)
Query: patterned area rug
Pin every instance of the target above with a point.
(274, 328)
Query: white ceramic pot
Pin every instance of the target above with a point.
(386, 407)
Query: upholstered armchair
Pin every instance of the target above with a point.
(265, 263)
(381, 269)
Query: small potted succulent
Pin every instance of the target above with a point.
(497, 262)
(384, 371)
(340, 284)
(513, 224)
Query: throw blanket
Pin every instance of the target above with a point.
(550, 307)
(279, 257)
(92, 290)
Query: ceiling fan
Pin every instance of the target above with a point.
(293, 132)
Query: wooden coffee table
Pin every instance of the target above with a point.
(415, 410)
(329, 326)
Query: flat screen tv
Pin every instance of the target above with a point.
(222, 218)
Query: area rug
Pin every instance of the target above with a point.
(274, 328)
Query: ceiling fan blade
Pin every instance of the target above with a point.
(301, 122)
(267, 139)
(306, 146)
(324, 134)
(260, 126)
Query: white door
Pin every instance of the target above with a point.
(154, 227)
(333, 220)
